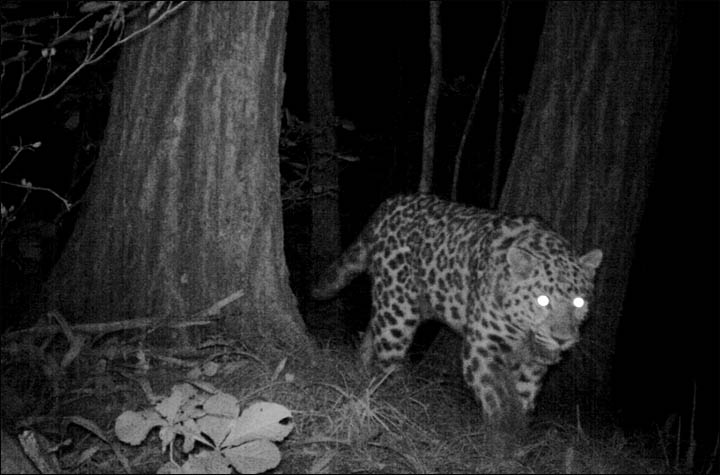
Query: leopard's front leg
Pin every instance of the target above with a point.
(528, 381)
(491, 379)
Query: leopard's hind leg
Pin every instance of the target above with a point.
(395, 318)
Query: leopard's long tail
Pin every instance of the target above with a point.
(349, 265)
(356, 258)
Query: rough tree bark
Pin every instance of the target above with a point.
(184, 206)
(584, 155)
(325, 221)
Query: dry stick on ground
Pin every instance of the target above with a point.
(203, 317)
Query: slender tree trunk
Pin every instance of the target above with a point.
(184, 206)
(325, 222)
(585, 151)
(431, 102)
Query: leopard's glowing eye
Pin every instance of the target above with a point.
(579, 302)
(543, 300)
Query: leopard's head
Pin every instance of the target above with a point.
(551, 289)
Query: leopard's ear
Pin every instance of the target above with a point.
(521, 262)
(592, 259)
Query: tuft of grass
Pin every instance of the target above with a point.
(678, 443)
(423, 420)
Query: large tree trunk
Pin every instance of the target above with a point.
(325, 221)
(585, 151)
(184, 206)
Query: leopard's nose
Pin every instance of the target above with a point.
(564, 342)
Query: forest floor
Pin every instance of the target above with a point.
(344, 418)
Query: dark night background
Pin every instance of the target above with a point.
(668, 341)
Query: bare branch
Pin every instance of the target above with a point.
(94, 57)
(65, 202)
(18, 151)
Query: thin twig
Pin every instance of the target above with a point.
(495, 185)
(19, 150)
(473, 109)
(67, 204)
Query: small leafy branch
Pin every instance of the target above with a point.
(31, 44)
(46, 46)
(212, 420)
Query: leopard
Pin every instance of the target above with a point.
(515, 291)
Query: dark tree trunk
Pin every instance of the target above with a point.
(184, 206)
(325, 222)
(585, 151)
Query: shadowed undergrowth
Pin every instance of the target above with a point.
(347, 419)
